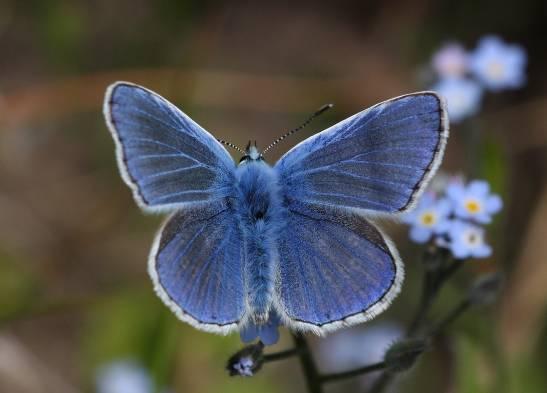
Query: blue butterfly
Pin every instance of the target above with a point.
(249, 243)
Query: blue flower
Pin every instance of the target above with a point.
(467, 240)
(267, 332)
(450, 61)
(474, 201)
(428, 218)
(463, 97)
(247, 361)
(498, 65)
(123, 377)
(245, 367)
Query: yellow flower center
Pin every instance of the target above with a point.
(495, 69)
(428, 219)
(472, 206)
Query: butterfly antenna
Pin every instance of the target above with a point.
(321, 110)
(231, 145)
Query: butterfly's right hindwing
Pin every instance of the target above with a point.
(336, 269)
(167, 159)
(196, 265)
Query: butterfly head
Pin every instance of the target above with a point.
(251, 154)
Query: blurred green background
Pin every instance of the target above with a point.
(74, 293)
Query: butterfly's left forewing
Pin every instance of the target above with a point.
(166, 158)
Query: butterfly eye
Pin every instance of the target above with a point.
(244, 158)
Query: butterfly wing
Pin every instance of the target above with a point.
(336, 269)
(170, 162)
(167, 159)
(377, 160)
(196, 265)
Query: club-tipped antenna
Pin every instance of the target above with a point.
(231, 145)
(321, 110)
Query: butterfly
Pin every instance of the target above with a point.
(247, 243)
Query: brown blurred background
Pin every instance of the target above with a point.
(74, 293)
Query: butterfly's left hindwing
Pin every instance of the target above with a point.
(196, 265)
(336, 269)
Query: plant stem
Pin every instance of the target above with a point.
(425, 303)
(449, 271)
(464, 305)
(308, 364)
(272, 357)
(385, 379)
(352, 373)
(433, 282)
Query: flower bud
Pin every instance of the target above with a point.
(485, 289)
(403, 354)
(247, 361)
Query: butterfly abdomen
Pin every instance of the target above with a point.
(259, 211)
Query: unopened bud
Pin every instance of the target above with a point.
(247, 361)
(486, 288)
(403, 354)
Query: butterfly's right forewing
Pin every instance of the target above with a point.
(378, 160)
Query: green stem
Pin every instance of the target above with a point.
(308, 365)
(352, 373)
(425, 303)
(433, 282)
(464, 305)
(272, 357)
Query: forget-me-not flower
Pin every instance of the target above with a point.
(452, 216)
(463, 97)
(247, 361)
(474, 201)
(268, 333)
(428, 218)
(467, 240)
(245, 367)
(498, 65)
(450, 61)
(124, 377)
